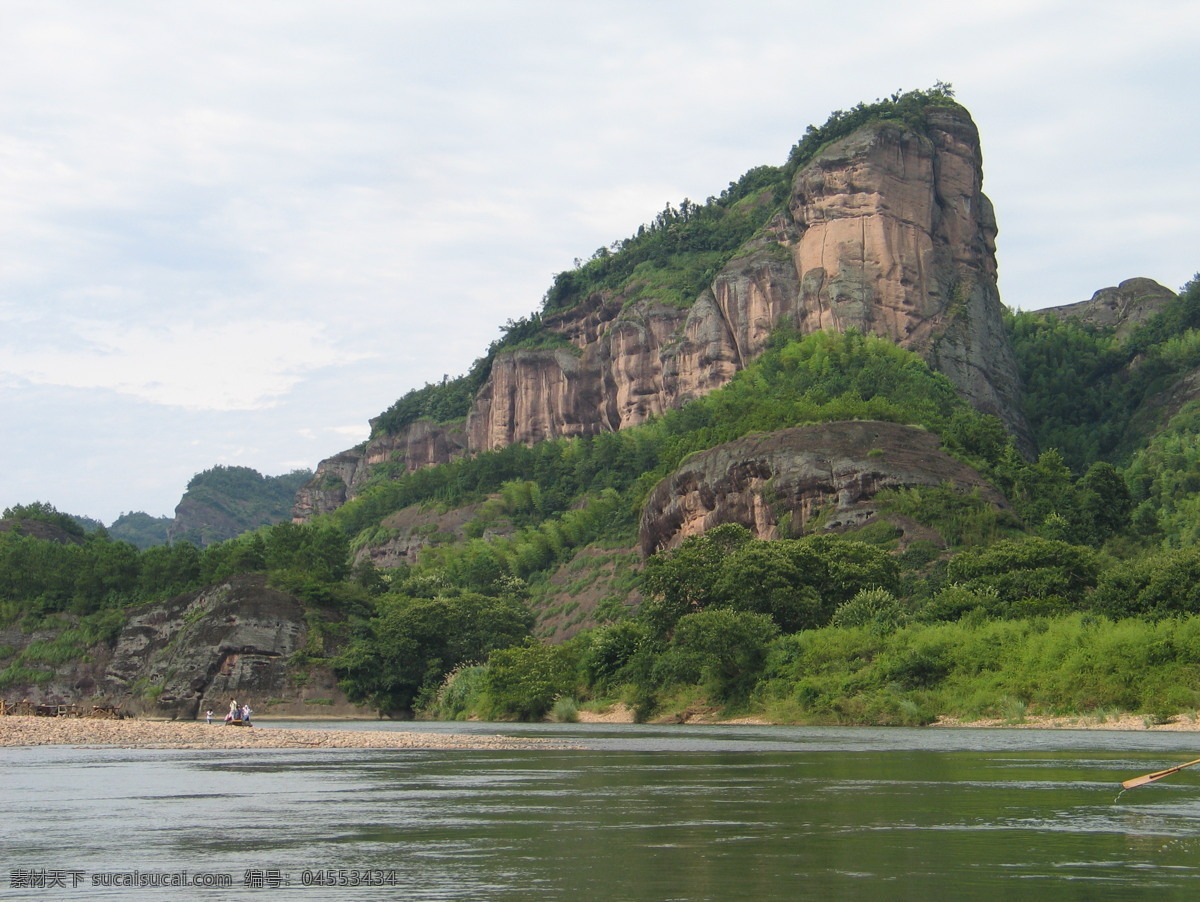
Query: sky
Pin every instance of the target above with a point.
(232, 233)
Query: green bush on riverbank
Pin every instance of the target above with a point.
(977, 668)
(969, 670)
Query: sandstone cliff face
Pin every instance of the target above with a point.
(537, 395)
(337, 478)
(775, 485)
(886, 231)
(897, 238)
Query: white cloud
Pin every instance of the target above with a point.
(261, 219)
(242, 365)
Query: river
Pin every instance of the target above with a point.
(633, 813)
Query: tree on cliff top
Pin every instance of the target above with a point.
(44, 512)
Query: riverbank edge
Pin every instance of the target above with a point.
(1180, 723)
(24, 731)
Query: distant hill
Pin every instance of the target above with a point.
(225, 502)
(140, 529)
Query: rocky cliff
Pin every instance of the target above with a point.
(224, 502)
(200, 650)
(886, 231)
(337, 478)
(177, 658)
(782, 483)
(1122, 308)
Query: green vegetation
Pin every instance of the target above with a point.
(1164, 481)
(726, 620)
(140, 529)
(40, 577)
(981, 668)
(408, 647)
(1079, 595)
(42, 512)
(713, 610)
(1085, 392)
(234, 500)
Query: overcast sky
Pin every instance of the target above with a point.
(233, 232)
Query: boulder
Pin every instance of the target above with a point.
(783, 483)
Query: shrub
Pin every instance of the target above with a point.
(523, 682)
(874, 608)
(723, 650)
(461, 692)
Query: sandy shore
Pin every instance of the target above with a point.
(1179, 724)
(1183, 723)
(152, 734)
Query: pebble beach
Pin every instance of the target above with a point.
(17, 731)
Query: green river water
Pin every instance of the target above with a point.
(633, 813)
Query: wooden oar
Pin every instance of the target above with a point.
(1157, 775)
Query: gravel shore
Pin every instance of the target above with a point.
(152, 734)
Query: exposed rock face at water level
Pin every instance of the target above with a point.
(198, 651)
(886, 231)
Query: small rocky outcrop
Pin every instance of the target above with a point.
(1122, 308)
(402, 535)
(337, 478)
(224, 502)
(198, 651)
(781, 483)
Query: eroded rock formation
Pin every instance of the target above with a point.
(886, 231)
(420, 444)
(200, 650)
(1122, 308)
(779, 484)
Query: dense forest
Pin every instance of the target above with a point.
(1081, 595)
(219, 503)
